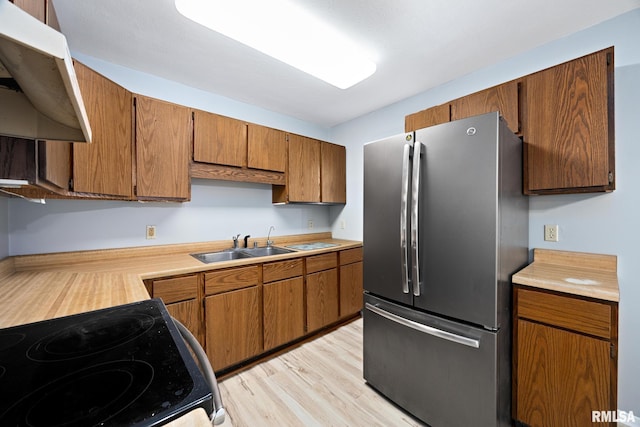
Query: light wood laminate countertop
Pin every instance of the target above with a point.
(40, 287)
(576, 273)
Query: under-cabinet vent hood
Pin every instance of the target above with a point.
(39, 93)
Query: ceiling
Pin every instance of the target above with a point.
(417, 44)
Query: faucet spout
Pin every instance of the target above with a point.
(270, 242)
(246, 241)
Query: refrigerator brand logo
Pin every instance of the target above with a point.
(609, 416)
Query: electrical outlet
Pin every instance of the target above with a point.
(551, 232)
(342, 224)
(310, 224)
(151, 232)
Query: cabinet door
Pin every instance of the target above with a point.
(234, 326)
(105, 165)
(219, 140)
(561, 376)
(303, 176)
(54, 163)
(283, 312)
(425, 118)
(188, 313)
(569, 127)
(267, 148)
(163, 137)
(502, 98)
(35, 8)
(351, 289)
(333, 173)
(322, 299)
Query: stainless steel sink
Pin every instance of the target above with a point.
(209, 257)
(231, 254)
(266, 251)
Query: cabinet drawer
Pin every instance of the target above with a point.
(588, 317)
(322, 262)
(350, 256)
(216, 282)
(176, 289)
(281, 270)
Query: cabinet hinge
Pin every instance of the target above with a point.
(70, 184)
(135, 190)
(613, 351)
(608, 58)
(610, 177)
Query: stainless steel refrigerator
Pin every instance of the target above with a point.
(445, 227)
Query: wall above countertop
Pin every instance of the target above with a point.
(218, 210)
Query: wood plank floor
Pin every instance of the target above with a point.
(317, 384)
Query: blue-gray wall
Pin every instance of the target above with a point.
(599, 223)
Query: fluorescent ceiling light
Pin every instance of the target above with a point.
(283, 30)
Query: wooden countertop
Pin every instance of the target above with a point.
(577, 273)
(44, 286)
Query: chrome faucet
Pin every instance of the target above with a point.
(270, 242)
(235, 241)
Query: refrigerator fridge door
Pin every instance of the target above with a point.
(387, 166)
(459, 218)
(445, 373)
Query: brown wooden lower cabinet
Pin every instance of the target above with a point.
(283, 312)
(240, 313)
(565, 358)
(351, 282)
(181, 297)
(322, 299)
(234, 326)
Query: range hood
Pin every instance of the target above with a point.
(39, 93)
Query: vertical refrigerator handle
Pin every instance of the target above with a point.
(415, 198)
(404, 197)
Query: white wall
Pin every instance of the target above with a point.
(599, 223)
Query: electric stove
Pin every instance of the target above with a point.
(125, 365)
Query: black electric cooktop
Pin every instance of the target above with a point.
(120, 366)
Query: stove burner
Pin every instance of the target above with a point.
(90, 396)
(90, 337)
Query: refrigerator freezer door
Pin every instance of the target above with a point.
(459, 219)
(386, 209)
(445, 373)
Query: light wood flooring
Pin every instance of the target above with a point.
(317, 384)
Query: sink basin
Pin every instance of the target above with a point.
(266, 251)
(229, 255)
(209, 257)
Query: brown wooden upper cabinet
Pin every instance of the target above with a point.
(429, 117)
(104, 166)
(316, 172)
(219, 140)
(502, 98)
(569, 127)
(35, 8)
(333, 173)
(565, 116)
(267, 148)
(163, 140)
(303, 176)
